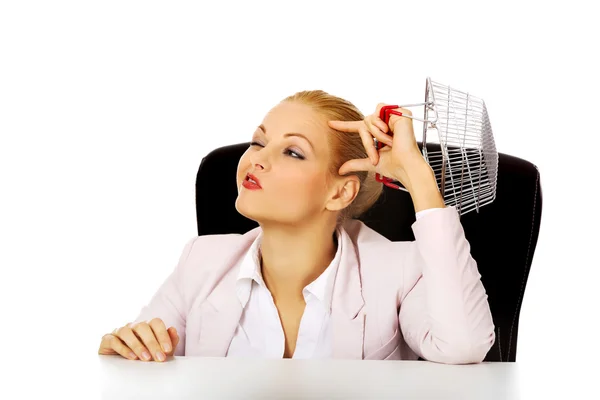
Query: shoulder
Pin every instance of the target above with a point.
(382, 261)
(213, 250)
(216, 242)
(206, 259)
(436, 233)
(366, 239)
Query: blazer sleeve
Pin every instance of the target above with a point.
(168, 303)
(444, 313)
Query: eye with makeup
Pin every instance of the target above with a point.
(287, 151)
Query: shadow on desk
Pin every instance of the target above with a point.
(215, 378)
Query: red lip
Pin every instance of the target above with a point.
(250, 185)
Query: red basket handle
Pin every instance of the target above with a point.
(385, 113)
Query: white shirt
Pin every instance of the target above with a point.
(260, 334)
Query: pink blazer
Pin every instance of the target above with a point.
(391, 300)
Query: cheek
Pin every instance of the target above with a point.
(242, 168)
(308, 184)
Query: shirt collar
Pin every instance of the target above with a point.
(250, 272)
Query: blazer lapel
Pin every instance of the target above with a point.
(220, 315)
(347, 308)
(221, 312)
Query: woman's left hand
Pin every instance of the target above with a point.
(401, 159)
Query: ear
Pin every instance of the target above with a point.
(343, 193)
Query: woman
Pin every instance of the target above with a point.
(311, 281)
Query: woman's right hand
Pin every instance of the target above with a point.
(141, 341)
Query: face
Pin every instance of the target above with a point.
(289, 156)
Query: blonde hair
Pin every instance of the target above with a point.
(344, 147)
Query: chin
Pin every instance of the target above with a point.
(263, 214)
(242, 208)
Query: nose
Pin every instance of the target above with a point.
(258, 159)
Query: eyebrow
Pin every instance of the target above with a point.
(262, 128)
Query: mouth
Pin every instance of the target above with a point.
(252, 181)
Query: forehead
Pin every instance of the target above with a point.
(292, 117)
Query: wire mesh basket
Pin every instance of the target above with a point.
(466, 164)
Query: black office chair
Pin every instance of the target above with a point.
(503, 235)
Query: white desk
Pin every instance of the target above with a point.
(219, 378)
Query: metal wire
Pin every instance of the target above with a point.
(466, 166)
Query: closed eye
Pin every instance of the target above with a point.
(287, 151)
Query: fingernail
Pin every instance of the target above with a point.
(166, 347)
(160, 356)
(132, 356)
(146, 355)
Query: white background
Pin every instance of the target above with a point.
(107, 108)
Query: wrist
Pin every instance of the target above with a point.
(426, 198)
(416, 173)
(423, 188)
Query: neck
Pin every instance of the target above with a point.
(294, 256)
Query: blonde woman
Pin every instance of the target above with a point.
(312, 281)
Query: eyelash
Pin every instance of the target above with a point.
(299, 157)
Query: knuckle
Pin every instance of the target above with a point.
(159, 330)
(139, 326)
(121, 331)
(155, 321)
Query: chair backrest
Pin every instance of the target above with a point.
(503, 235)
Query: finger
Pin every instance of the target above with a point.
(145, 333)
(378, 122)
(113, 345)
(360, 164)
(378, 111)
(174, 339)
(360, 127)
(127, 335)
(345, 126)
(367, 140)
(377, 133)
(161, 334)
(396, 118)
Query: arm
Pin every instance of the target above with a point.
(445, 316)
(168, 303)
